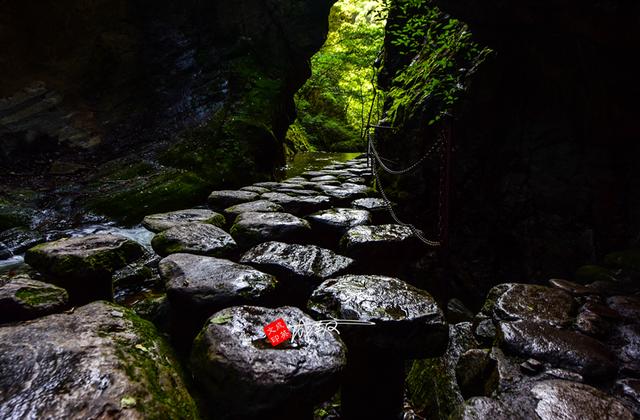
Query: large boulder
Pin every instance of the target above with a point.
(561, 348)
(254, 206)
(298, 205)
(333, 223)
(220, 200)
(194, 238)
(23, 298)
(100, 361)
(84, 265)
(245, 376)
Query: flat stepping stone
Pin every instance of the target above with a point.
(84, 265)
(220, 200)
(267, 184)
(298, 205)
(381, 241)
(244, 376)
(252, 228)
(576, 401)
(297, 192)
(313, 174)
(22, 298)
(254, 206)
(408, 320)
(255, 189)
(195, 238)
(561, 348)
(163, 221)
(309, 263)
(371, 204)
(324, 178)
(346, 191)
(204, 285)
(514, 301)
(338, 221)
(99, 361)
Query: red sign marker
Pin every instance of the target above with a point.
(277, 332)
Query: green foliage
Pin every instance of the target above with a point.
(333, 104)
(443, 54)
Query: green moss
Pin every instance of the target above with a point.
(129, 201)
(430, 388)
(629, 259)
(169, 398)
(164, 246)
(35, 297)
(591, 273)
(130, 171)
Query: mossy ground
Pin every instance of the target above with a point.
(36, 297)
(151, 361)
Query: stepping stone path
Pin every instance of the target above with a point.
(164, 221)
(245, 376)
(571, 348)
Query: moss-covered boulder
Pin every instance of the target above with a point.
(23, 298)
(84, 265)
(131, 197)
(99, 361)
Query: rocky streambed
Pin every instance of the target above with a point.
(101, 326)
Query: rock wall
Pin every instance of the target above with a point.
(544, 142)
(175, 97)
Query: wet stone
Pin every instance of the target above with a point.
(335, 222)
(630, 388)
(252, 228)
(533, 303)
(22, 298)
(268, 184)
(483, 408)
(164, 221)
(84, 265)
(531, 366)
(207, 284)
(309, 263)
(356, 180)
(297, 192)
(324, 178)
(627, 345)
(564, 374)
(346, 192)
(255, 189)
(99, 361)
(298, 205)
(381, 241)
(560, 348)
(255, 206)
(486, 331)
(376, 206)
(408, 320)
(194, 238)
(575, 401)
(245, 376)
(220, 200)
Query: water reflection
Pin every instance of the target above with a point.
(310, 161)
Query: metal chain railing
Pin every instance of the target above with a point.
(374, 159)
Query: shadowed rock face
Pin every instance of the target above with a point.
(544, 169)
(203, 88)
(23, 298)
(99, 361)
